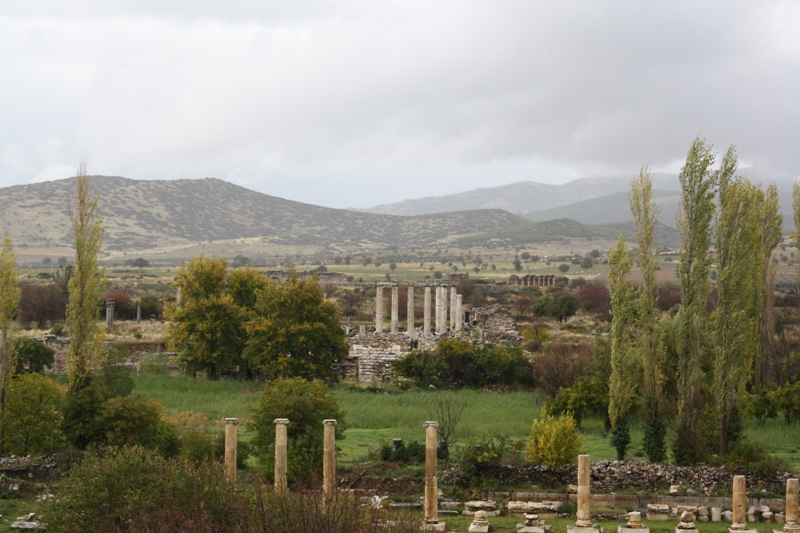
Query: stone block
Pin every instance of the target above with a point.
(433, 526)
(579, 529)
(727, 516)
(624, 529)
(779, 518)
(716, 514)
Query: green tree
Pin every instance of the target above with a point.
(206, 324)
(136, 420)
(741, 257)
(295, 332)
(645, 221)
(9, 303)
(33, 415)
(139, 262)
(559, 306)
(587, 263)
(517, 265)
(306, 404)
(563, 268)
(86, 286)
(31, 356)
(622, 386)
(698, 189)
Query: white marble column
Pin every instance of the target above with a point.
(426, 317)
(379, 309)
(453, 320)
(431, 482)
(410, 311)
(395, 307)
(459, 314)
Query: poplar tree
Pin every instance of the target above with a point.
(770, 231)
(645, 221)
(622, 386)
(9, 302)
(735, 320)
(698, 189)
(86, 286)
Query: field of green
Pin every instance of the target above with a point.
(379, 415)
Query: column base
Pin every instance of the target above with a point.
(737, 530)
(433, 526)
(584, 529)
(522, 528)
(624, 529)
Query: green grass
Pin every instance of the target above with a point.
(373, 416)
(215, 399)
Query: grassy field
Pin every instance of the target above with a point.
(374, 416)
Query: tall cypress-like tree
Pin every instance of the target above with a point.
(622, 386)
(86, 286)
(735, 320)
(645, 221)
(698, 189)
(9, 302)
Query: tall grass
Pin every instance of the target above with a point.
(215, 399)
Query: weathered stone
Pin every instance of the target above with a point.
(716, 514)
(281, 454)
(480, 523)
(329, 459)
(230, 447)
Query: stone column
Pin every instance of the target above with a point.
(410, 311)
(792, 524)
(109, 311)
(438, 318)
(431, 485)
(395, 307)
(739, 503)
(426, 317)
(138, 312)
(459, 314)
(379, 309)
(281, 457)
(453, 318)
(230, 447)
(584, 518)
(443, 309)
(329, 459)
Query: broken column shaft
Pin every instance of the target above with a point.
(329, 459)
(431, 486)
(379, 309)
(230, 447)
(410, 311)
(281, 456)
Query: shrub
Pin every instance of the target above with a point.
(554, 441)
(134, 489)
(479, 458)
(31, 355)
(306, 404)
(33, 415)
(136, 420)
(411, 453)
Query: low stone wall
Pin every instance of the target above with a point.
(614, 476)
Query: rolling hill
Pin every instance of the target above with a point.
(142, 215)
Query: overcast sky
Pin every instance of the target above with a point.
(360, 103)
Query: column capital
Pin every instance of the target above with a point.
(281, 421)
(431, 424)
(233, 421)
(329, 422)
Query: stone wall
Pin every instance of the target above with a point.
(371, 356)
(495, 323)
(613, 476)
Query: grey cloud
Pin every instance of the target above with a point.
(312, 101)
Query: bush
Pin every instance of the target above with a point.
(134, 489)
(411, 453)
(754, 457)
(306, 404)
(33, 415)
(586, 397)
(479, 458)
(559, 306)
(455, 363)
(136, 420)
(31, 355)
(554, 441)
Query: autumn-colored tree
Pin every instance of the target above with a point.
(42, 304)
(9, 303)
(86, 286)
(33, 415)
